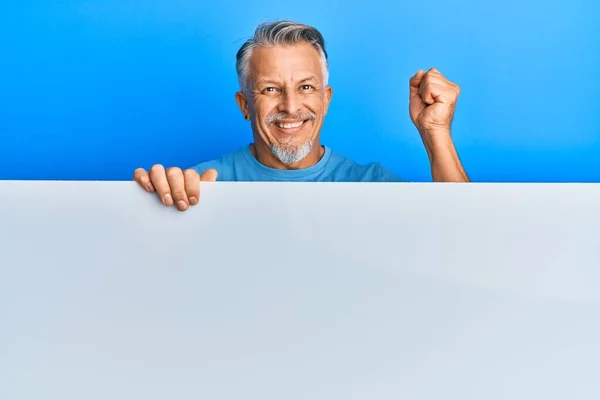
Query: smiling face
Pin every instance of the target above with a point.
(287, 101)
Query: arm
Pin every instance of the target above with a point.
(444, 160)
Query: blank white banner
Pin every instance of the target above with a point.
(300, 291)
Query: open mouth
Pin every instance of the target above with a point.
(289, 126)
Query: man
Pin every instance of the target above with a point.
(283, 74)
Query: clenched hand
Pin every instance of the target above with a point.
(432, 103)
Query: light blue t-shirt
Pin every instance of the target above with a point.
(241, 165)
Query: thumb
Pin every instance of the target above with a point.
(209, 175)
(415, 83)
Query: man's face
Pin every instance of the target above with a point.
(287, 99)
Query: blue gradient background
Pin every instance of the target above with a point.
(94, 89)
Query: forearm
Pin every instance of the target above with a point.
(445, 162)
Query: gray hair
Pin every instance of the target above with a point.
(279, 33)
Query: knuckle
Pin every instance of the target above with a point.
(157, 168)
(173, 172)
(178, 194)
(190, 173)
(139, 173)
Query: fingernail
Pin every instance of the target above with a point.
(150, 187)
(167, 200)
(182, 205)
(193, 201)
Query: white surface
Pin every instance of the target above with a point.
(300, 291)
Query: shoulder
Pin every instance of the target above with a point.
(224, 164)
(351, 170)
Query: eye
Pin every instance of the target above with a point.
(306, 87)
(270, 89)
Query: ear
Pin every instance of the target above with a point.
(242, 102)
(328, 95)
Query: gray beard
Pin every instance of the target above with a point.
(290, 155)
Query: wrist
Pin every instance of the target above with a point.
(443, 157)
(438, 142)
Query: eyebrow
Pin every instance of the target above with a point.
(311, 78)
(267, 81)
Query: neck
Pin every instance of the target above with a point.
(263, 155)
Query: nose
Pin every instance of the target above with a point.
(290, 102)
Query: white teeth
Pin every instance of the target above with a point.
(291, 125)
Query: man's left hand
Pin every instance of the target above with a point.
(432, 103)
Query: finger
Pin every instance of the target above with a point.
(143, 179)
(445, 92)
(158, 178)
(449, 90)
(210, 175)
(441, 93)
(434, 92)
(435, 76)
(192, 185)
(438, 79)
(426, 92)
(177, 186)
(415, 81)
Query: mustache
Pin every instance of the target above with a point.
(285, 116)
